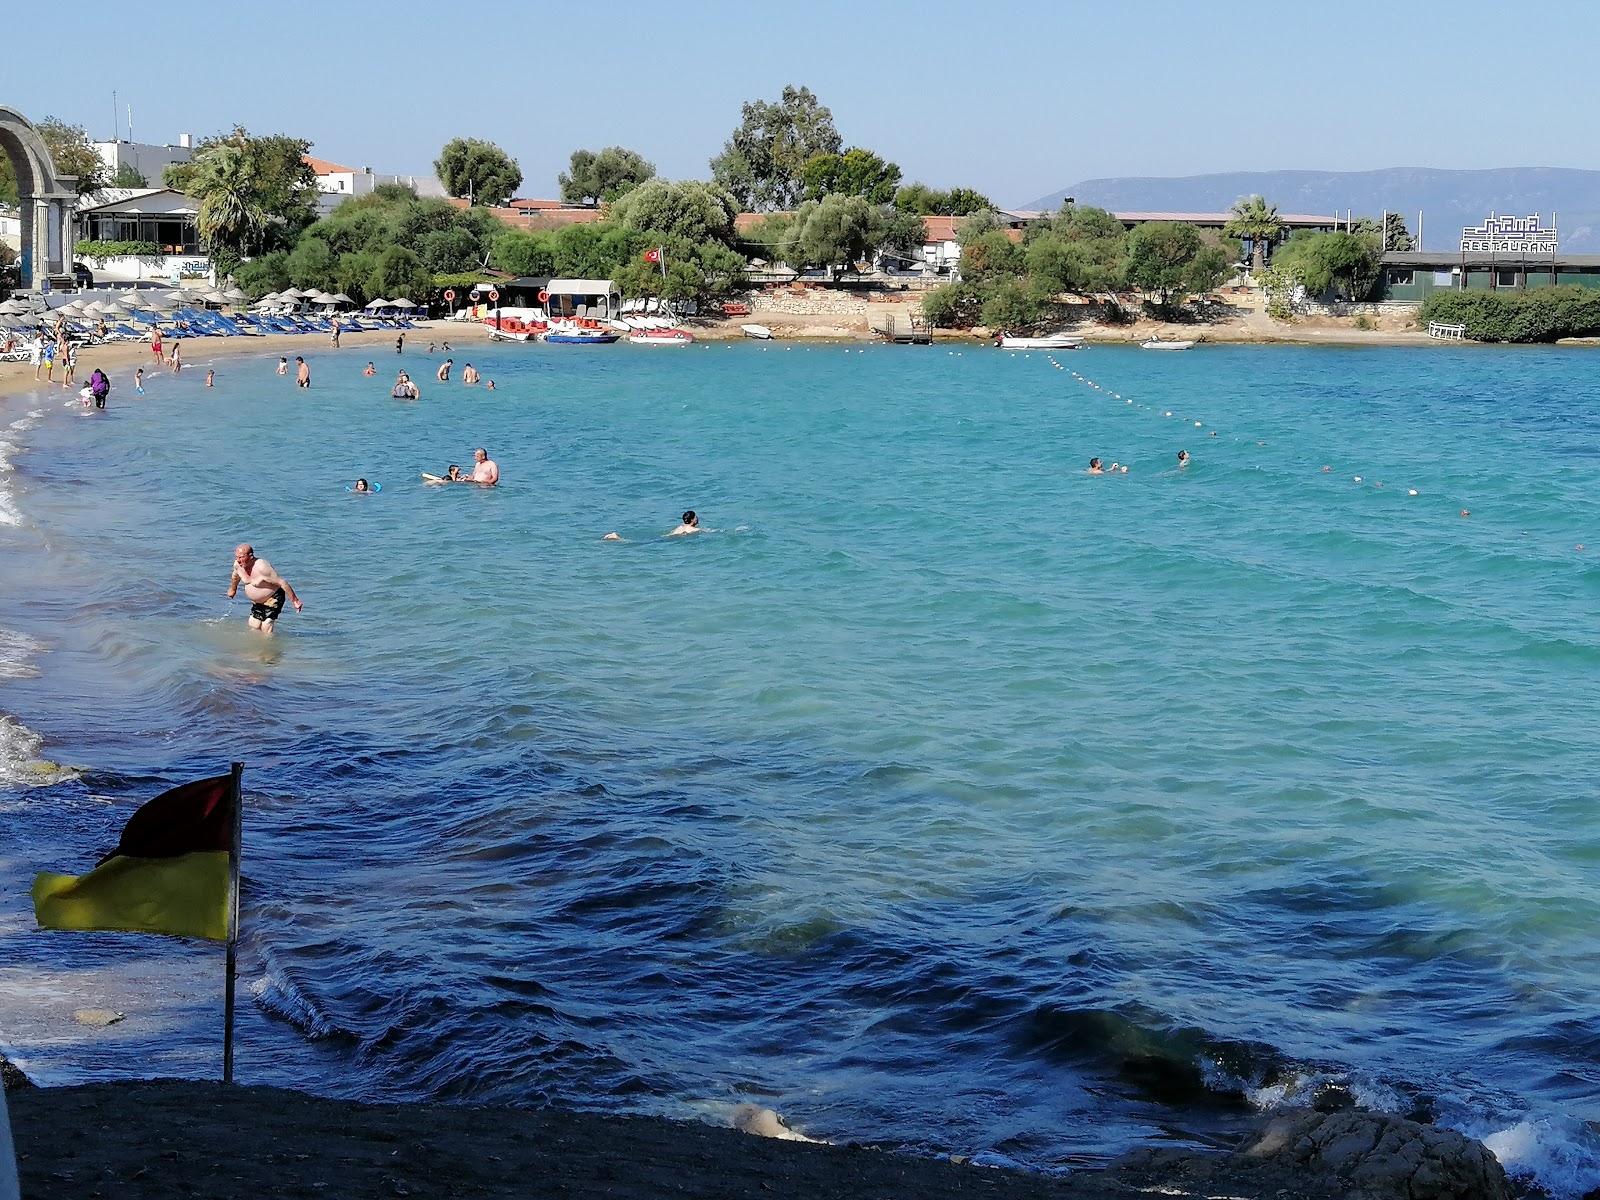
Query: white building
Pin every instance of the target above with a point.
(165, 219)
(145, 159)
(338, 184)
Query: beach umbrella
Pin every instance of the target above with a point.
(235, 292)
(296, 293)
(341, 298)
(401, 303)
(377, 304)
(12, 307)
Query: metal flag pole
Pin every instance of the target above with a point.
(233, 922)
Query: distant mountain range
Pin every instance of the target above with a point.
(1449, 200)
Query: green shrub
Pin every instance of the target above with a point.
(1540, 314)
(1364, 322)
(115, 249)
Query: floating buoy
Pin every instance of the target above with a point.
(1358, 479)
(1197, 424)
(1412, 492)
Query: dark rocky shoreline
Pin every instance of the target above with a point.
(165, 1138)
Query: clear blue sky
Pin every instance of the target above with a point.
(1016, 100)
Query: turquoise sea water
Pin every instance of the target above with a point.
(945, 796)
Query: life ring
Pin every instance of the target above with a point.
(543, 295)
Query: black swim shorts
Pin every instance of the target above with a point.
(269, 610)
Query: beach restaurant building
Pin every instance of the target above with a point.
(1502, 254)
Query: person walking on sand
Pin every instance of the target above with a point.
(302, 373)
(155, 344)
(72, 364)
(334, 337)
(263, 587)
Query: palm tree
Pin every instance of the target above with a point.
(1257, 220)
(231, 216)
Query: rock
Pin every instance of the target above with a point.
(752, 1118)
(97, 1016)
(1381, 1157)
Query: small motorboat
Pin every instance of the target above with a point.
(569, 333)
(509, 335)
(1157, 344)
(1050, 341)
(660, 337)
(760, 332)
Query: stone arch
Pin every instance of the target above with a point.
(48, 201)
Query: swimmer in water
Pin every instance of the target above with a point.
(1095, 468)
(443, 373)
(361, 486)
(469, 374)
(283, 365)
(371, 370)
(613, 537)
(1183, 458)
(210, 375)
(138, 380)
(489, 385)
(454, 474)
(691, 524)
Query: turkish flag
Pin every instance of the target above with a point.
(652, 256)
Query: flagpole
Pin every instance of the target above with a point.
(233, 922)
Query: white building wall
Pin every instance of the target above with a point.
(145, 159)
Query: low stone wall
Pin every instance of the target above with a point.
(811, 303)
(1379, 308)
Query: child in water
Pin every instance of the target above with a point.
(210, 375)
(138, 380)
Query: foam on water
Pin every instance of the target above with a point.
(954, 799)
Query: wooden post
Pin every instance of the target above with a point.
(233, 924)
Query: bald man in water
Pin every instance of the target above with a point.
(263, 587)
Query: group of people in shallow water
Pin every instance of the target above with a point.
(1098, 467)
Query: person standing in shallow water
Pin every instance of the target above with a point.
(302, 373)
(263, 587)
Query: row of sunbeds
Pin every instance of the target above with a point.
(194, 322)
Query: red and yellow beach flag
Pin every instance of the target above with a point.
(169, 874)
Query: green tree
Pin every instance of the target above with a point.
(524, 252)
(313, 265)
(1010, 306)
(856, 172)
(836, 231)
(72, 154)
(925, 201)
(128, 176)
(990, 255)
(264, 273)
(269, 178)
(1393, 231)
(398, 272)
(763, 162)
(1254, 220)
(477, 170)
(447, 251)
(1344, 264)
(1161, 256)
(692, 210)
(612, 172)
(903, 234)
(231, 217)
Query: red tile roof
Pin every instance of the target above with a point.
(323, 167)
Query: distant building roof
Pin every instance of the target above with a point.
(534, 219)
(1443, 260)
(133, 198)
(525, 202)
(1298, 220)
(941, 229)
(322, 166)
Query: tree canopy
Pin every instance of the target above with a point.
(612, 172)
(256, 194)
(763, 162)
(856, 172)
(478, 171)
(1170, 256)
(1343, 264)
(1254, 220)
(695, 211)
(925, 201)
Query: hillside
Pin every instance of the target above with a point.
(1449, 200)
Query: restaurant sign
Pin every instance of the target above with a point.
(1509, 235)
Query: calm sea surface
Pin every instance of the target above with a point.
(944, 797)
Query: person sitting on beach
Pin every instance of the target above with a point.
(691, 524)
(371, 370)
(443, 373)
(1095, 468)
(470, 375)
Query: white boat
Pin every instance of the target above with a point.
(1158, 344)
(508, 335)
(1052, 341)
(756, 331)
(661, 337)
